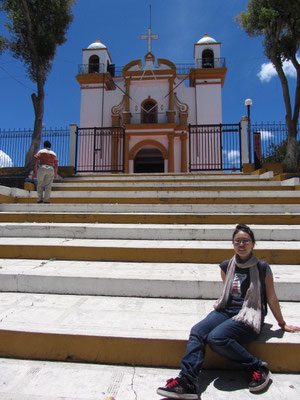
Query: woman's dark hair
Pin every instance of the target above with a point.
(47, 144)
(243, 228)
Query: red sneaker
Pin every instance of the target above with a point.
(179, 388)
(259, 379)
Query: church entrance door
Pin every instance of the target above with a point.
(149, 160)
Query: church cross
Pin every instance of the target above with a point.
(149, 36)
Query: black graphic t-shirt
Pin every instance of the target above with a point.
(240, 285)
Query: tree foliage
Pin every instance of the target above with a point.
(36, 28)
(278, 21)
(276, 153)
(2, 44)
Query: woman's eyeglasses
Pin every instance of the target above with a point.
(242, 241)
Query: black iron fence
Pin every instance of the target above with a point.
(269, 140)
(96, 68)
(215, 147)
(14, 145)
(92, 68)
(100, 149)
(181, 68)
(210, 62)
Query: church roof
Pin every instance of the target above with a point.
(97, 45)
(206, 39)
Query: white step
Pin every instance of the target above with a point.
(145, 231)
(157, 184)
(156, 280)
(144, 244)
(167, 176)
(154, 208)
(164, 194)
(125, 317)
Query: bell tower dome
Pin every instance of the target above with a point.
(96, 58)
(208, 78)
(207, 53)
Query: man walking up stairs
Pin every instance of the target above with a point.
(107, 280)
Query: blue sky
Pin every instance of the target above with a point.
(119, 24)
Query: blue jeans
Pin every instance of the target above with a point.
(224, 337)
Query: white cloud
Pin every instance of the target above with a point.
(267, 71)
(233, 156)
(266, 135)
(5, 160)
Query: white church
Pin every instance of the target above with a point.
(138, 119)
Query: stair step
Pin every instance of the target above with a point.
(225, 186)
(42, 380)
(145, 232)
(150, 218)
(148, 332)
(118, 268)
(173, 185)
(154, 280)
(168, 177)
(237, 193)
(141, 250)
(94, 198)
(160, 208)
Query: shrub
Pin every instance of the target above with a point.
(276, 153)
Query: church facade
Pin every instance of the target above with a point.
(154, 101)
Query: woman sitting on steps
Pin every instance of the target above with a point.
(237, 319)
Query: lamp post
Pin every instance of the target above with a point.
(248, 103)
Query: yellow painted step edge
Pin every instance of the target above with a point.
(281, 357)
(131, 218)
(134, 254)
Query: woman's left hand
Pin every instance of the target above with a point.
(290, 328)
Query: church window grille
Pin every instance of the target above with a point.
(208, 59)
(149, 112)
(94, 64)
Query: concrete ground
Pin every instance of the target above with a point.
(40, 380)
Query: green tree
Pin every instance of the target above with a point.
(276, 153)
(36, 28)
(278, 21)
(2, 44)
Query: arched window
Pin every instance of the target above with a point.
(93, 64)
(149, 112)
(208, 59)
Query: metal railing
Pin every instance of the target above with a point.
(91, 68)
(14, 145)
(210, 62)
(100, 149)
(273, 139)
(181, 68)
(159, 117)
(99, 69)
(215, 147)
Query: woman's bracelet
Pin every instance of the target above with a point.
(282, 325)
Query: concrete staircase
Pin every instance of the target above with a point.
(117, 269)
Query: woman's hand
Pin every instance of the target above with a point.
(290, 328)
